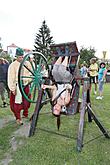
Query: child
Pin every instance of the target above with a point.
(101, 75)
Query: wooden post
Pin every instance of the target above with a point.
(36, 113)
(82, 116)
(97, 122)
(58, 122)
(88, 102)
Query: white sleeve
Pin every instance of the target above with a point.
(11, 78)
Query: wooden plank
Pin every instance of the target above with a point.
(64, 49)
(82, 117)
(102, 129)
(36, 114)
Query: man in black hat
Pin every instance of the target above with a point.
(17, 101)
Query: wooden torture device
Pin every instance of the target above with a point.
(34, 73)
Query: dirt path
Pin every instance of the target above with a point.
(23, 131)
(3, 122)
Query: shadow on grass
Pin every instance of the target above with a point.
(56, 133)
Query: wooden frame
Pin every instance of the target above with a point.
(64, 49)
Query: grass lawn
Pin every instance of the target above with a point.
(52, 147)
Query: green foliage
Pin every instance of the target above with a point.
(44, 40)
(86, 54)
(1, 49)
(5, 56)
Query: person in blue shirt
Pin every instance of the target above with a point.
(101, 75)
(83, 70)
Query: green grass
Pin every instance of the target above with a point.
(52, 147)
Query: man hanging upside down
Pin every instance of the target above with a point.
(61, 91)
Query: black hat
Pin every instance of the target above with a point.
(102, 63)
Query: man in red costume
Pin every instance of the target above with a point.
(17, 101)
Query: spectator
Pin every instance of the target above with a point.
(83, 70)
(6, 65)
(93, 73)
(101, 76)
(2, 82)
(17, 101)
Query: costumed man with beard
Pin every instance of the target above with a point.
(17, 101)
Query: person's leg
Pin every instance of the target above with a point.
(59, 60)
(16, 109)
(65, 61)
(26, 106)
(2, 92)
(101, 89)
(3, 100)
(2, 96)
(8, 90)
(25, 113)
(25, 103)
(17, 114)
(55, 72)
(95, 91)
(95, 83)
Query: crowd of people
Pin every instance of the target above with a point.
(96, 74)
(9, 83)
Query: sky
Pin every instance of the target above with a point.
(83, 21)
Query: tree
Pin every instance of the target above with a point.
(5, 56)
(86, 54)
(1, 49)
(43, 41)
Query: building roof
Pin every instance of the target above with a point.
(13, 45)
(27, 50)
